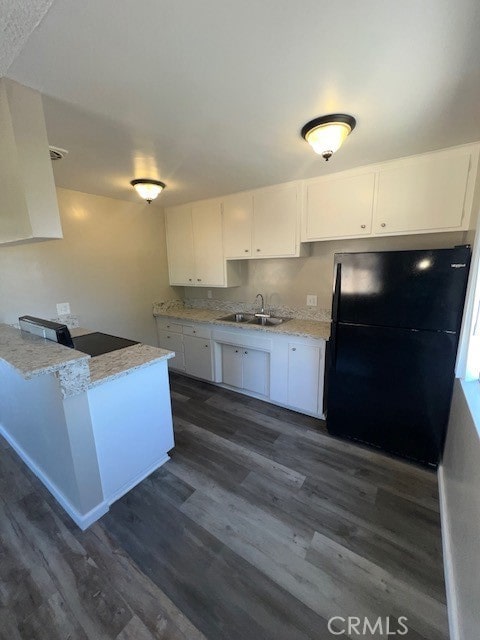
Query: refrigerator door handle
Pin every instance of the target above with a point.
(336, 290)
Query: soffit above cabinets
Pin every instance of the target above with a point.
(28, 203)
(210, 96)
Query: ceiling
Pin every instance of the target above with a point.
(210, 96)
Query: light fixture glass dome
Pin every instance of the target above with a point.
(326, 134)
(148, 189)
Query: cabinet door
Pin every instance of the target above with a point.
(427, 194)
(181, 263)
(275, 222)
(339, 207)
(238, 225)
(208, 244)
(198, 357)
(232, 366)
(255, 371)
(173, 342)
(303, 377)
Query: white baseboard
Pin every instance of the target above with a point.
(82, 520)
(450, 586)
(138, 478)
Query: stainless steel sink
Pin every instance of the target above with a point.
(250, 318)
(268, 322)
(238, 317)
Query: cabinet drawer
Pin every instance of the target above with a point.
(197, 330)
(164, 324)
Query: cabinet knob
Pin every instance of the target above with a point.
(169, 337)
(246, 352)
(190, 279)
(236, 350)
(363, 226)
(383, 224)
(246, 250)
(294, 348)
(206, 346)
(193, 331)
(258, 250)
(199, 279)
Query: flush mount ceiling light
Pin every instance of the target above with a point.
(148, 189)
(327, 133)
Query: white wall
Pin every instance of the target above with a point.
(460, 489)
(111, 265)
(286, 281)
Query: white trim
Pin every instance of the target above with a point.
(82, 520)
(138, 478)
(450, 584)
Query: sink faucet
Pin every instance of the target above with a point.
(259, 295)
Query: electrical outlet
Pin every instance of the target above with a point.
(209, 294)
(311, 300)
(63, 308)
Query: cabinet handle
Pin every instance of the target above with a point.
(294, 348)
(363, 226)
(383, 224)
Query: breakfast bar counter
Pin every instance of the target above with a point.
(90, 428)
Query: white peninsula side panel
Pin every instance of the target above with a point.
(132, 427)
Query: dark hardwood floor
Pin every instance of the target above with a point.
(261, 526)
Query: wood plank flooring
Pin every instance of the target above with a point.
(261, 526)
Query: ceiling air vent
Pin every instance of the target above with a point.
(56, 153)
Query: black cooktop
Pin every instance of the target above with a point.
(95, 344)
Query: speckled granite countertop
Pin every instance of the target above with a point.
(123, 361)
(32, 356)
(294, 327)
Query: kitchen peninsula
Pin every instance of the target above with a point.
(89, 428)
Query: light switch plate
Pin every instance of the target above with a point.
(63, 308)
(311, 300)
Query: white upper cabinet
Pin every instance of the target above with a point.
(208, 244)
(423, 194)
(263, 224)
(28, 202)
(338, 206)
(276, 222)
(420, 194)
(179, 231)
(195, 246)
(238, 225)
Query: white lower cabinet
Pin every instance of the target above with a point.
(305, 366)
(198, 357)
(297, 373)
(287, 370)
(245, 368)
(172, 342)
(192, 345)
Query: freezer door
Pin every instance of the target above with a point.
(411, 289)
(391, 388)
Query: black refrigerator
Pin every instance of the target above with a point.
(396, 319)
